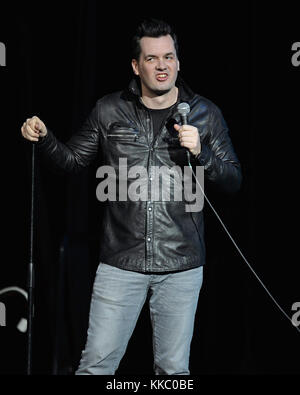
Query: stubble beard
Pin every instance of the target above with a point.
(160, 92)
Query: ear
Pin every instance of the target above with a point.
(135, 66)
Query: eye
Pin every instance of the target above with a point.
(149, 59)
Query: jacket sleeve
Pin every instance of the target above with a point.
(78, 152)
(221, 165)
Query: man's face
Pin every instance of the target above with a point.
(157, 66)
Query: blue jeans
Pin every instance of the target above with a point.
(117, 299)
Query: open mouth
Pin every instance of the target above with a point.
(162, 77)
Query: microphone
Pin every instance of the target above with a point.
(183, 110)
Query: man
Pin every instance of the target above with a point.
(149, 246)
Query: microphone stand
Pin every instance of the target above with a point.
(30, 269)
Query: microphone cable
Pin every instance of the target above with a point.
(237, 247)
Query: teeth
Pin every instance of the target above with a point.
(162, 75)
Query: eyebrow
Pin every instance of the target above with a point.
(155, 56)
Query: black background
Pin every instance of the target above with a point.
(237, 54)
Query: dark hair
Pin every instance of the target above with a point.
(151, 28)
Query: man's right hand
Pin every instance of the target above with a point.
(33, 128)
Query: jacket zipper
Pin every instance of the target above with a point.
(122, 136)
(152, 143)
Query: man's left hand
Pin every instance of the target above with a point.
(189, 138)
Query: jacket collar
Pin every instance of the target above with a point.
(185, 94)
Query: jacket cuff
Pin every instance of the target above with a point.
(43, 140)
(204, 155)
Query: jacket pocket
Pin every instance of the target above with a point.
(123, 134)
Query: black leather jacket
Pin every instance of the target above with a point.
(149, 235)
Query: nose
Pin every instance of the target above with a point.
(161, 66)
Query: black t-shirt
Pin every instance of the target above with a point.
(158, 117)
